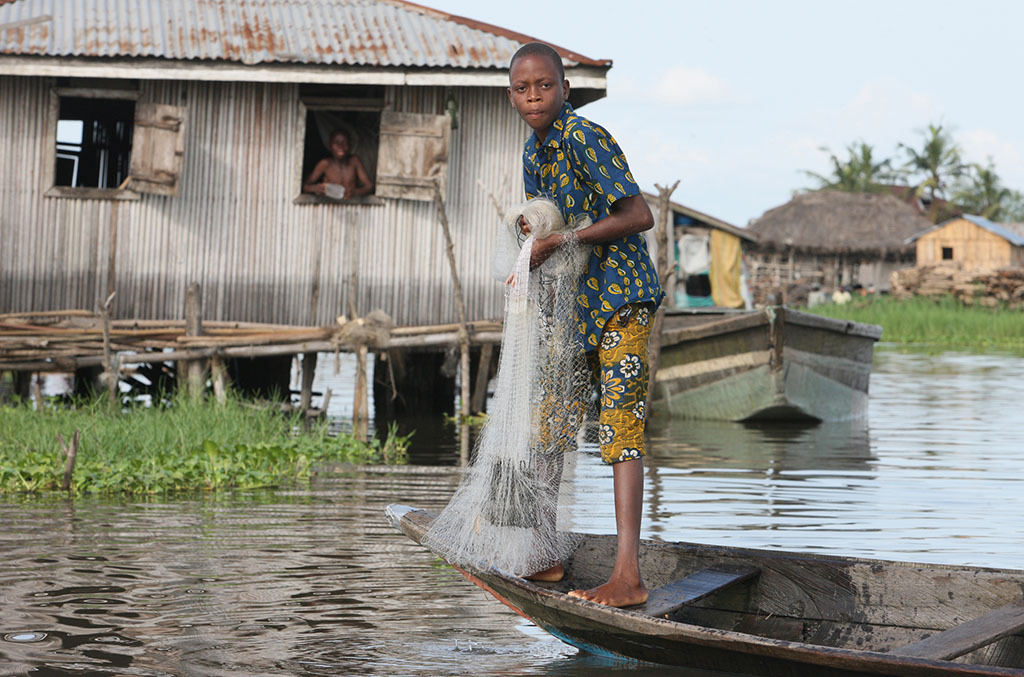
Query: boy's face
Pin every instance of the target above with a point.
(536, 92)
(339, 146)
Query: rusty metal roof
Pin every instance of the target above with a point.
(383, 33)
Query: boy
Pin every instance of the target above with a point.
(340, 169)
(578, 164)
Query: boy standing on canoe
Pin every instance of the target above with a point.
(577, 164)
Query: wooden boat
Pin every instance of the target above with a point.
(775, 364)
(778, 614)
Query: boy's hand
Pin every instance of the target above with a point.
(543, 249)
(319, 189)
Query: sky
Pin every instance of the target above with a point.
(737, 98)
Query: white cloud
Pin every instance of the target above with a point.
(981, 144)
(687, 85)
(884, 108)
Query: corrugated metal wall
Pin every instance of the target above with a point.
(234, 227)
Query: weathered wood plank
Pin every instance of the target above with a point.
(159, 150)
(696, 586)
(871, 331)
(713, 327)
(413, 156)
(966, 637)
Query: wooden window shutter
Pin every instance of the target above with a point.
(413, 155)
(158, 148)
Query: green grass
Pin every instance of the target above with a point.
(185, 446)
(943, 321)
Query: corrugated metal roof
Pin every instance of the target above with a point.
(996, 229)
(384, 33)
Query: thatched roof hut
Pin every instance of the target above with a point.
(835, 222)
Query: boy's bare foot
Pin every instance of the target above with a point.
(614, 593)
(549, 575)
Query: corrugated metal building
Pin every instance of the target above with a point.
(231, 100)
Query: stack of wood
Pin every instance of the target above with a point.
(986, 288)
(73, 338)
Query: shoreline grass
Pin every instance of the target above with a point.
(942, 321)
(184, 446)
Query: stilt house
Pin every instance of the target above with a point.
(150, 145)
(833, 238)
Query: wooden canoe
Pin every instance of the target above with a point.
(774, 364)
(778, 614)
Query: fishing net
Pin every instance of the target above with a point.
(505, 512)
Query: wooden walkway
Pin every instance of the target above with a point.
(68, 340)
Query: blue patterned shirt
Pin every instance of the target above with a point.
(584, 171)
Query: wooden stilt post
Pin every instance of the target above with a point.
(326, 402)
(37, 391)
(22, 384)
(308, 372)
(662, 226)
(463, 333)
(194, 372)
(361, 399)
(110, 363)
(70, 454)
(218, 372)
(464, 444)
(483, 369)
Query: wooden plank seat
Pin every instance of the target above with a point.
(966, 637)
(698, 585)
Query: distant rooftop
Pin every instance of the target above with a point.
(829, 221)
(1011, 232)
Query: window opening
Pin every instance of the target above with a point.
(94, 142)
(947, 253)
(324, 163)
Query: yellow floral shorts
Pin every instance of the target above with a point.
(620, 366)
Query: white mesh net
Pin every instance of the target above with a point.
(505, 512)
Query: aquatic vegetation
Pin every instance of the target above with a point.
(185, 446)
(939, 320)
(473, 420)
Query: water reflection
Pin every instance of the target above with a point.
(312, 581)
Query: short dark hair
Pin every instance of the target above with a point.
(539, 49)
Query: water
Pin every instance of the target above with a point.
(314, 582)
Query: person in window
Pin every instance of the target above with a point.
(341, 175)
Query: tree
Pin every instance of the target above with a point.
(1015, 207)
(980, 191)
(937, 165)
(860, 173)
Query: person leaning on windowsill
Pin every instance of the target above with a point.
(340, 175)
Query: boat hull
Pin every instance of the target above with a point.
(800, 615)
(770, 365)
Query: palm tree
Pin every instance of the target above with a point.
(983, 193)
(937, 164)
(858, 174)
